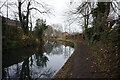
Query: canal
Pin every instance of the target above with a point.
(44, 61)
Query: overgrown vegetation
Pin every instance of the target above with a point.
(103, 39)
(19, 33)
(106, 53)
(14, 37)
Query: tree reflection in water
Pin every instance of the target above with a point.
(43, 64)
(47, 74)
(41, 59)
(51, 46)
(25, 72)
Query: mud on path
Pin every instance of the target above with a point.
(79, 65)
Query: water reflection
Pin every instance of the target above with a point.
(49, 57)
(25, 71)
(41, 59)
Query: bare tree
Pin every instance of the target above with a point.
(25, 8)
(24, 19)
(3, 4)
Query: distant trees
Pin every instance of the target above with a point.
(40, 28)
(51, 32)
(48, 32)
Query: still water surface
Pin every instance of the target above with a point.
(45, 62)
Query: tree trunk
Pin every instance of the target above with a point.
(19, 12)
(27, 18)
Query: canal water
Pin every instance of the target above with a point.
(45, 61)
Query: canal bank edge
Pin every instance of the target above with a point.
(63, 72)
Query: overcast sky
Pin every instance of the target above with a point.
(58, 16)
(58, 9)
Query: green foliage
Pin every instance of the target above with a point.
(40, 28)
(110, 35)
(100, 9)
(14, 37)
(89, 33)
(10, 36)
(94, 12)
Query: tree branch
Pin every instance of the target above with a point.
(3, 4)
(37, 10)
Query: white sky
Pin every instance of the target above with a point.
(59, 6)
(58, 9)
